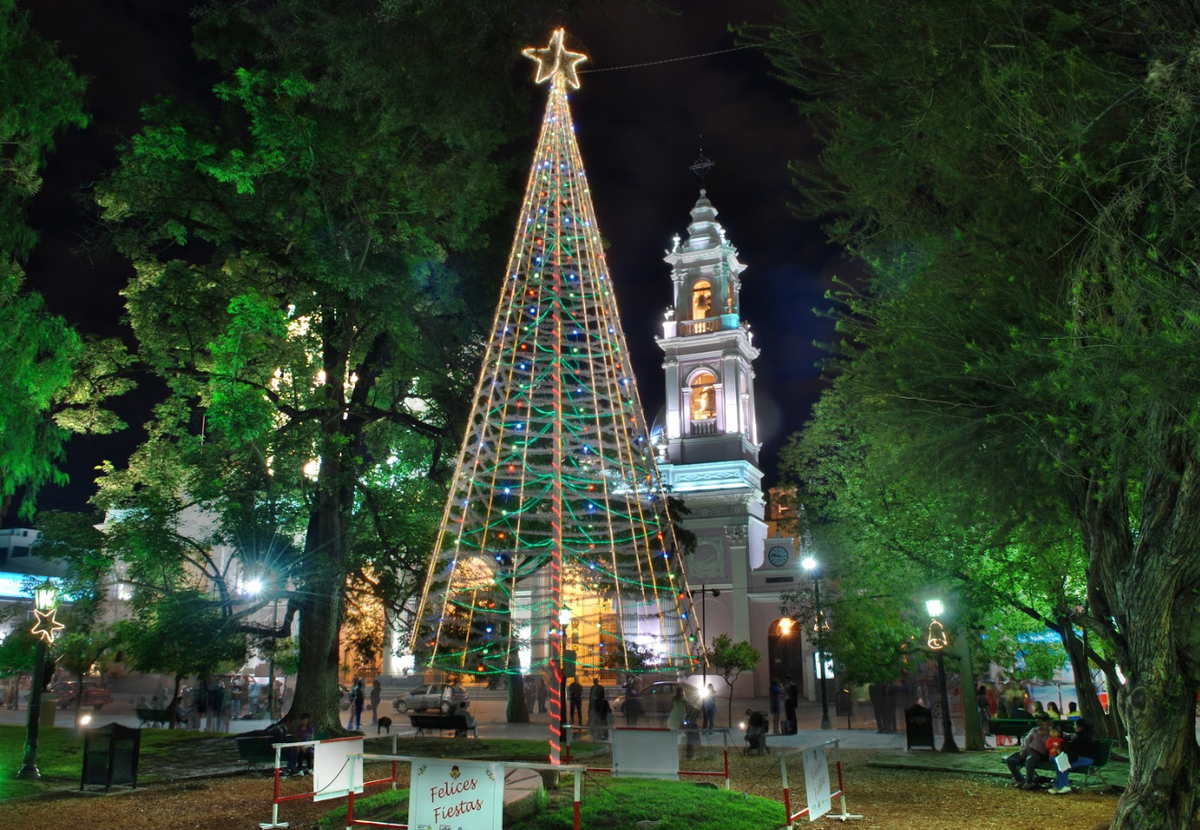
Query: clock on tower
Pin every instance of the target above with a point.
(778, 555)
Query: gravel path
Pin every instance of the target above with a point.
(889, 799)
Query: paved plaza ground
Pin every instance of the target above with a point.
(203, 785)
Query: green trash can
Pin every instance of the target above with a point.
(110, 756)
(49, 708)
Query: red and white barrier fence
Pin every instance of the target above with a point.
(569, 730)
(816, 784)
(338, 771)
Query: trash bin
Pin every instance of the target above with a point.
(843, 703)
(49, 707)
(110, 756)
(918, 724)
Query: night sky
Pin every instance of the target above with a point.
(638, 130)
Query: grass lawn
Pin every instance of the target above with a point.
(616, 804)
(60, 754)
(488, 748)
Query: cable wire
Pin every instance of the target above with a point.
(666, 60)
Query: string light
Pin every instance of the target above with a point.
(553, 501)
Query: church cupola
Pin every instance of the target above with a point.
(706, 273)
(708, 350)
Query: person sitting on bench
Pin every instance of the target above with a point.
(756, 731)
(1081, 752)
(468, 722)
(300, 757)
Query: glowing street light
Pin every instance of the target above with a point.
(814, 568)
(938, 641)
(46, 628)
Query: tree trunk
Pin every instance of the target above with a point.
(78, 694)
(1143, 588)
(518, 707)
(316, 687)
(972, 726)
(173, 706)
(1085, 688)
(1162, 771)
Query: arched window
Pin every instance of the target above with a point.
(701, 300)
(704, 397)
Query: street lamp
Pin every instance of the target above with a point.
(716, 592)
(814, 568)
(255, 586)
(46, 628)
(564, 622)
(938, 641)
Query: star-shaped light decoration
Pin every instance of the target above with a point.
(555, 60)
(46, 626)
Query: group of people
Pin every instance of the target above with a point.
(358, 700)
(1046, 742)
(1014, 701)
(785, 694)
(884, 699)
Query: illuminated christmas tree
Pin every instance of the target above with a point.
(556, 550)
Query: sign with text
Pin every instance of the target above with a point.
(455, 795)
(646, 753)
(816, 782)
(335, 771)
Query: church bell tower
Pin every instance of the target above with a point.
(707, 439)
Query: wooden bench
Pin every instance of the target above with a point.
(444, 723)
(1019, 727)
(256, 749)
(157, 717)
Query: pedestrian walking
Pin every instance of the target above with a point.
(542, 691)
(575, 693)
(775, 700)
(376, 696)
(595, 695)
(633, 700)
(357, 700)
(709, 708)
(791, 701)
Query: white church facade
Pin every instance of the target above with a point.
(707, 444)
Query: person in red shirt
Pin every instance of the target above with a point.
(1054, 743)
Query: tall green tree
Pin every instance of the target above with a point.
(729, 660)
(290, 241)
(1020, 177)
(53, 382)
(182, 634)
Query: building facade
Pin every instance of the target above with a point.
(707, 444)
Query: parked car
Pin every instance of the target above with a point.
(94, 694)
(440, 696)
(658, 698)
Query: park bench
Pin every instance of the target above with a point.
(1104, 747)
(158, 717)
(256, 749)
(444, 723)
(1019, 727)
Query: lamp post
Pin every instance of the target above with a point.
(255, 587)
(46, 628)
(564, 621)
(814, 568)
(716, 592)
(938, 641)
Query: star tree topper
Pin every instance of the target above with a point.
(46, 626)
(555, 60)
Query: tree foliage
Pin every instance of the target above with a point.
(291, 241)
(729, 659)
(53, 382)
(1020, 178)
